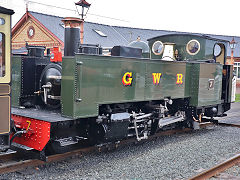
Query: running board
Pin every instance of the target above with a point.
(169, 120)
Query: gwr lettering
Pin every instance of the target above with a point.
(179, 79)
(127, 79)
(156, 78)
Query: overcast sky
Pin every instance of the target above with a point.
(201, 16)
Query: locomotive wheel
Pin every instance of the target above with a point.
(187, 123)
(96, 133)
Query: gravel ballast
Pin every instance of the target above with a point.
(177, 156)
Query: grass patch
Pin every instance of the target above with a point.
(237, 98)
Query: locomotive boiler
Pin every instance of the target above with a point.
(89, 98)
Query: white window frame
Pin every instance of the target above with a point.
(237, 65)
(100, 33)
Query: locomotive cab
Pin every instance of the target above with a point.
(204, 55)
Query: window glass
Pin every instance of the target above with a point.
(2, 55)
(238, 74)
(193, 47)
(217, 50)
(100, 33)
(157, 47)
(2, 21)
(237, 69)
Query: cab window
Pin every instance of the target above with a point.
(193, 47)
(2, 55)
(219, 53)
(157, 48)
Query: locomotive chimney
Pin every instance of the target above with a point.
(71, 35)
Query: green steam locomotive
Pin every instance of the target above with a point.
(182, 80)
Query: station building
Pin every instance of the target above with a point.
(47, 30)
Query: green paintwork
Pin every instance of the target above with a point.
(16, 80)
(98, 80)
(88, 81)
(210, 96)
(167, 86)
(68, 85)
(206, 46)
(146, 55)
(200, 93)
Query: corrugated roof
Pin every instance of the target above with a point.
(116, 35)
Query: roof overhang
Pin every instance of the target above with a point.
(4, 10)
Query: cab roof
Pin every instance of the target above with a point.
(189, 34)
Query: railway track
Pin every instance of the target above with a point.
(229, 124)
(221, 167)
(13, 162)
(217, 169)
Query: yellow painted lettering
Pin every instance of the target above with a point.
(179, 79)
(127, 79)
(156, 78)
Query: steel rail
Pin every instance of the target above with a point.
(229, 124)
(19, 165)
(8, 156)
(217, 169)
(11, 166)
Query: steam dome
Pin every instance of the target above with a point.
(140, 44)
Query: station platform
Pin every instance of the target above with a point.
(233, 115)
